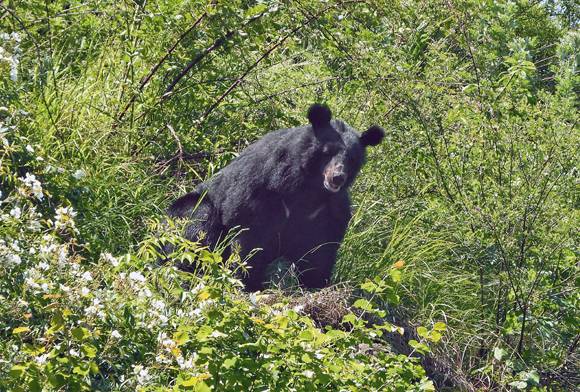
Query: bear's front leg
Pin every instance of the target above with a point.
(314, 246)
(315, 266)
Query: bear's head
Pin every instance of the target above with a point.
(340, 150)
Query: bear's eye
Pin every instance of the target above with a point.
(330, 149)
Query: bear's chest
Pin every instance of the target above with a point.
(302, 212)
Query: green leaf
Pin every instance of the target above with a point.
(369, 286)
(80, 333)
(306, 335)
(181, 337)
(18, 370)
(81, 370)
(94, 368)
(306, 358)
(202, 387)
(439, 326)
(422, 332)
(395, 275)
(203, 333)
(435, 336)
(89, 350)
(230, 362)
(427, 385)
(419, 347)
(206, 350)
(363, 304)
(532, 377)
(19, 330)
(256, 10)
(349, 318)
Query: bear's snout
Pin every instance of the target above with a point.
(334, 177)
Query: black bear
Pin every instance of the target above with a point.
(290, 191)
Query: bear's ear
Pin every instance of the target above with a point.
(182, 207)
(372, 136)
(319, 115)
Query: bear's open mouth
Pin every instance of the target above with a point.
(331, 187)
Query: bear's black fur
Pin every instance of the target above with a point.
(290, 191)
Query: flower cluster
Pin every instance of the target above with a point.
(31, 185)
(64, 218)
(11, 56)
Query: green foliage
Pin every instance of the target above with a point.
(468, 211)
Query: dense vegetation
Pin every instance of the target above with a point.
(466, 218)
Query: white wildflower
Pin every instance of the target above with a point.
(198, 288)
(14, 258)
(95, 308)
(136, 276)
(34, 225)
(158, 304)
(115, 334)
(74, 352)
(34, 185)
(111, 259)
(186, 363)
(62, 256)
(85, 291)
(64, 217)
(14, 69)
(298, 308)
(41, 359)
(168, 343)
(86, 276)
(29, 148)
(217, 334)
(163, 318)
(30, 282)
(142, 374)
(80, 173)
(15, 246)
(43, 266)
(253, 299)
(145, 293)
(308, 373)
(16, 212)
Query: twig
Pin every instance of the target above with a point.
(200, 56)
(179, 155)
(155, 68)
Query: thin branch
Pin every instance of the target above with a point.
(156, 67)
(200, 56)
